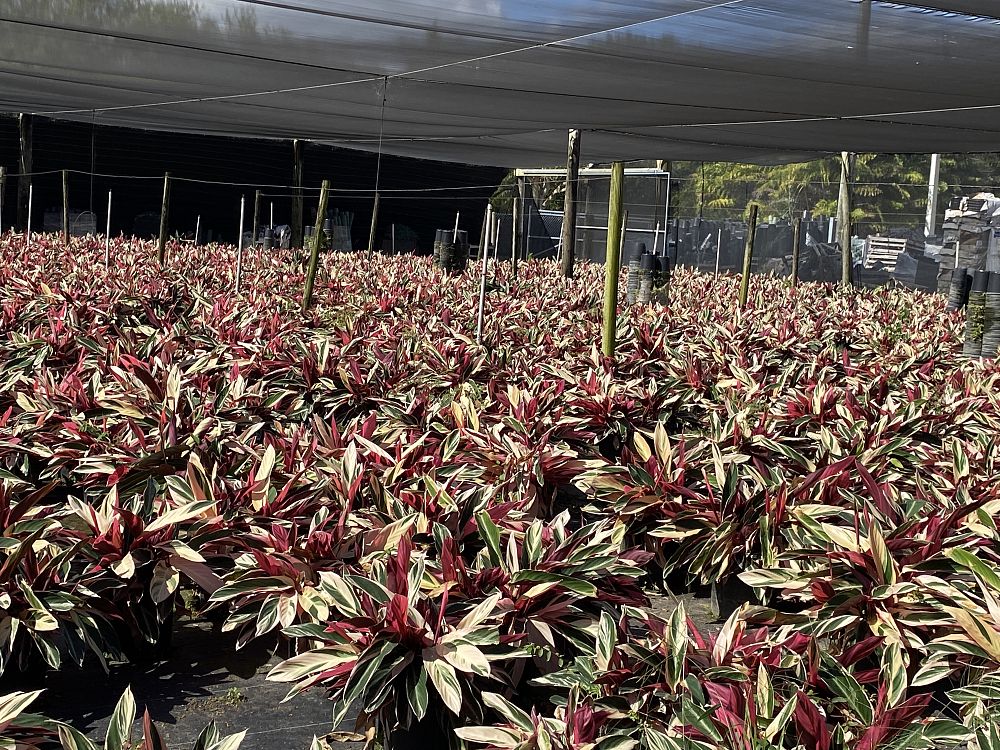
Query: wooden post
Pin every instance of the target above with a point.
(568, 242)
(796, 243)
(298, 170)
(256, 217)
(371, 233)
(107, 235)
(316, 243)
(3, 188)
(844, 218)
(24, 123)
(748, 257)
(612, 263)
(161, 246)
(517, 230)
(239, 245)
(65, 206)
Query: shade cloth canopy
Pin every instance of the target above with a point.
(500, 81)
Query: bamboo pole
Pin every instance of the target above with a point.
(256, 215)
(844, 218)
(314, 251)
(371, 233)
(517, 230)
(239, 245)
(495, 235)
(161, 245)
(65, 206)
(107, 235)
(482, 282)
(718, 253)
(796, 247)
(298, 171)
(568, 240)
(612, 264)
(3, 188)
(748, 257)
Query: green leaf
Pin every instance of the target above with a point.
(677, 634)
(970, 561)
(509, 711)
(119, 736)
(490, 533)
(607, 633)
(778, 722)
(71, 739)
(445, 681)
(577, 586)
(894, 674)
(311, 662)
(417, 695)
(13, 704)
(208, 737)
(495, 736)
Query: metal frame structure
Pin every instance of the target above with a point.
(591, 172)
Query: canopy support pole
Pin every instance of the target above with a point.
(844, 217)
(517, 232)
(796, 248)
(298, 169)
(933, 183)
(612, 263)
(748, 256)
(65, 206)
(568, 242)
(161, 244)
(317, 240)
(24, 123)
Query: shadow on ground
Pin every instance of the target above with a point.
(205, 680)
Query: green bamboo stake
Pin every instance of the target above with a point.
(161, 243)
(796, 243)
(748, 257)
(316, 243)
(612, 264)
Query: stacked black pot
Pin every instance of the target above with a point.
(976, 315)
(451, 250)
(648, 266)
(991, 324)
(637, 251)
(959, 289)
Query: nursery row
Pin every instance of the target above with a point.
(461, 541)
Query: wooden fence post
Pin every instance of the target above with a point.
(161, 245)
(317, 241)
(568, 242)
(256, 218)
(748, 257)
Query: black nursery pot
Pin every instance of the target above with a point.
(728, 596)
(426, 735)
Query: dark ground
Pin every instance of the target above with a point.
(206, 680)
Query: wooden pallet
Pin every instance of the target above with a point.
(884, 251)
